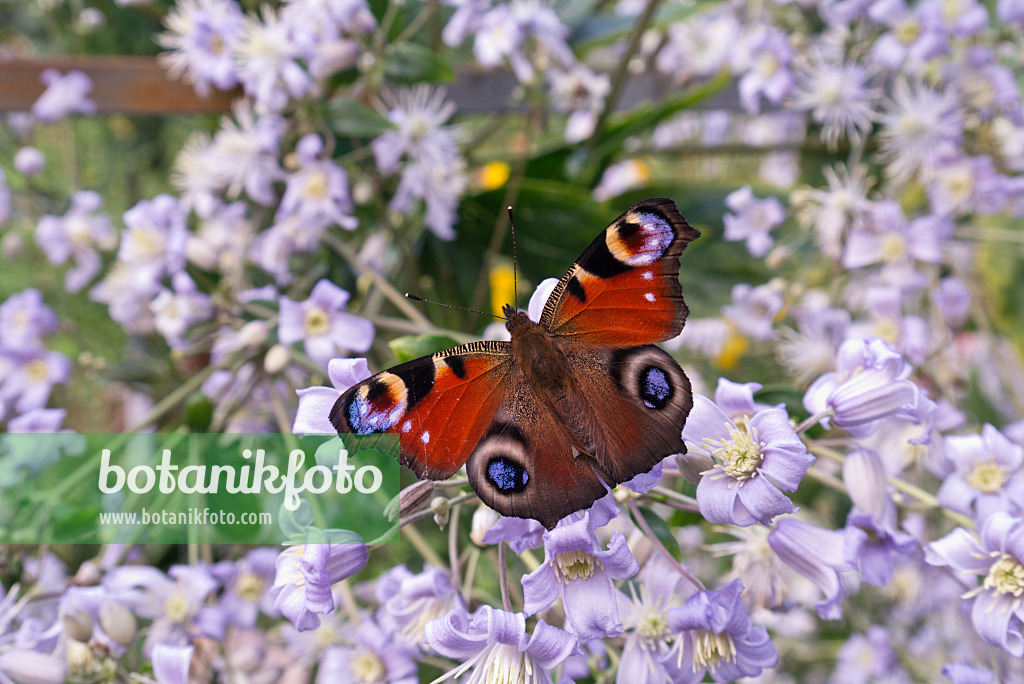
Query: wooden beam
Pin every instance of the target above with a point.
(122, 85)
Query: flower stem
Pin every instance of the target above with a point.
(661, 547)
(506, 602)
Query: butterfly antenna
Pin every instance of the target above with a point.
(417, 298)
(515, 268)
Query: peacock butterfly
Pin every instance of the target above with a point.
(578, 401)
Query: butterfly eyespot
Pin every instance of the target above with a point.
(640, 239)
(506, 475)
(377, 406)
(655, 388)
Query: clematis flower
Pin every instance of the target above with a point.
(870, 383)
(247, 583)
(817, 554)
(495, 646)
(749, 463)
(171, 663)
(305, 573)
(988, 476)
(202, 36)
(753, 220)
(997, 556)
(867, 658)
(25, 320)
(322, 325)
(645, 615)
(411, 600)
(373, 658)
(75, 236)
(577, 569)
(65, 94)
(714, 635)
(315, 403)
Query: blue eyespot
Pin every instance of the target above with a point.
(507, 475)
(655, 388)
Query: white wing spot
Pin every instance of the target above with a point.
(406, 426)
(425, 437)
(649, 296)
(648, 275)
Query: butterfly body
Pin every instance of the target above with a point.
(577, 401)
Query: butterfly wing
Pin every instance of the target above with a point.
(525, 466)
(438, 405)
(624, 289)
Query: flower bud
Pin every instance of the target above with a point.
(80, 659)
(484, 518)
(88, 574)
(253, 333)
(440, 507)
(78, 625)
(415, 496)
(276, 359)
(118, 622)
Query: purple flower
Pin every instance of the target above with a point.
(67, 94)
(961, 18)
(958, 673)
(988, 476)
(753, 220)
(998, 557)
(315, 403)
(578, 569)
(23, 665)
(920, 127)
(817, 554)
(32, 376)
(965, 185)
(494, 644)
(714, 635)
(305, 574)
(76, 236)
(201, 36)
(763, 59)
(316, 194)
(869, 384)
(243, 156)
(839, 97)
(247, 583)
(174, 311)
(754, 309)
(520, 533)
(322, 324)
(29, 161)
(267, 59)
(953, 300)
(374, 658)
(174, 602)
(411, 600)
(908, 41)
(645, 617)
(25, 320)
(749, 462)
(888, 238)
(866, 658)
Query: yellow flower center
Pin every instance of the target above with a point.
(316, 185)
(908, 31)
(176, 607)
(36, 370)
(887, 329)
(1006, 576)
(739, 453)
(710, 650)
(317, 322)
(894, 248)
(325, 636)
(575, 565)
(960, 184)
(249, 586)
(988, 477)
(493, 175)
(653, 625)
(368, 668)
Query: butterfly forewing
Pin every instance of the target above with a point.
(439, 405)
(624, 289)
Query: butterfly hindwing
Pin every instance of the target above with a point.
(525, 465)
(624, 289)
(438, 405)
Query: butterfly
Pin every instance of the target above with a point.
(578, 401)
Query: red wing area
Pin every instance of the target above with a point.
(624, 289)
(439, 406)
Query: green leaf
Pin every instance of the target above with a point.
(410, 347)
(351, 117)
(661, 530)
(412, 63)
